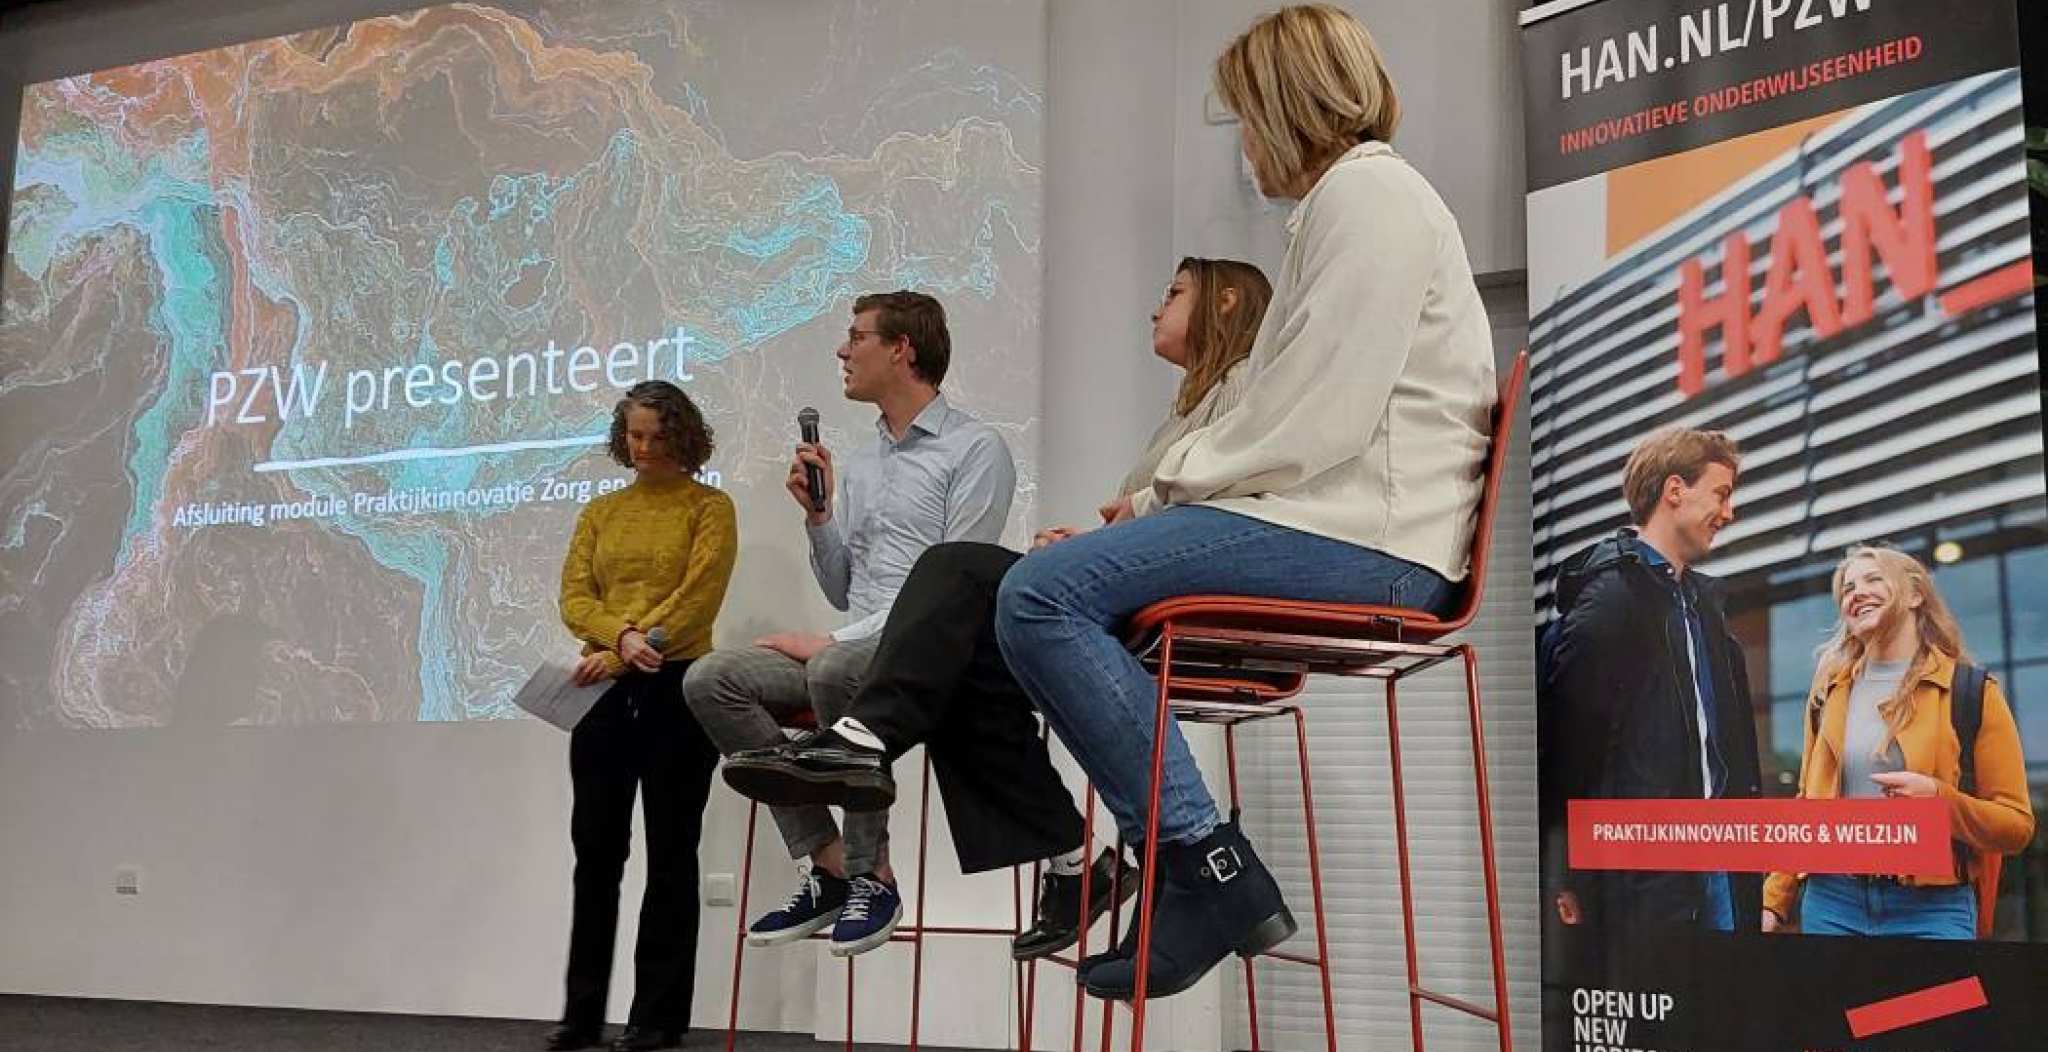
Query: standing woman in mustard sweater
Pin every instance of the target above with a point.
(654, 555)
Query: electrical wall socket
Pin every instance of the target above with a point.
(1215, 112)
(720, 889)
(127, 880)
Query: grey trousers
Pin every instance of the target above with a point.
(740, 695)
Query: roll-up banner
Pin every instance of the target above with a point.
(1791, 562)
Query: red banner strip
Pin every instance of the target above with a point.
(2003, 283)
(1886, 837)
(1920, 1006)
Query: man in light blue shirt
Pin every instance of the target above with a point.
(930, 473)
(947, 478)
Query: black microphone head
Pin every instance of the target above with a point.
(658, 638)
(807, 417)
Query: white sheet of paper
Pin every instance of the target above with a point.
(552, 695)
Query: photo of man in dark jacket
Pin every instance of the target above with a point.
(1644, 688)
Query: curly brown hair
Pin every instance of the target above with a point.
(682, 426)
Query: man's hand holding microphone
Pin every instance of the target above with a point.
(810, 482)
(810, 472)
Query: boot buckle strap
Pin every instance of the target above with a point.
(1222, 865)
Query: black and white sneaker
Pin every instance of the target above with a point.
(820, 768)
(1058, 924)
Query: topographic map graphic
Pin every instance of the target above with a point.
(303, 341)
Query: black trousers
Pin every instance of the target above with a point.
(639, 736)
(938, 680)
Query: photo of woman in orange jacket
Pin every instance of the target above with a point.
(1881, 722)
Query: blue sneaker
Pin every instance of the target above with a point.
(873, 909)
(815, 904)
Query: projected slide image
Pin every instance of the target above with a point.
(308, 346)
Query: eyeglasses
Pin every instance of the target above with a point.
(854, 335)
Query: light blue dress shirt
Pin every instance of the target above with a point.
(950, 478)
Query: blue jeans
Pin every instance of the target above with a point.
(1059, 611)
(1838, 905)
(1720, 904)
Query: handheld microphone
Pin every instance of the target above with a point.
(657, 637)
(807, 428)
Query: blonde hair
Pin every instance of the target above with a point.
(1219, 339)
(1938, 629)
(1681, 451)
(1309, 83)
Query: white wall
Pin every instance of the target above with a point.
(1456, 67)
(425, 869)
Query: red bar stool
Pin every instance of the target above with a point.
(1232, 659)
(1227, 702)
(912, 933)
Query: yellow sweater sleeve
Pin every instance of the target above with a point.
(583, 602)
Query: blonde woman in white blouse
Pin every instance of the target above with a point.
(1350, 471)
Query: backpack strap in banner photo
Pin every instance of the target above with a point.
(1966, 713)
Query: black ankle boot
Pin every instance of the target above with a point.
(1217, 898)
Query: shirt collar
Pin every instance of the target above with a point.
(1362, 150)
(1656, 561)
(931, 420)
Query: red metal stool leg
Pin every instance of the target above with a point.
(1315, 881)
(739, 939)
(1251, 979)
(924, 825)
(1401, 853)
(1087, 889)
(1017, 967)
(1115, 940)
(1028, 970)
(1500, 967)
(1027, 1004)
(1160, 723)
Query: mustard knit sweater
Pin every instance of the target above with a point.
(654, 554)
